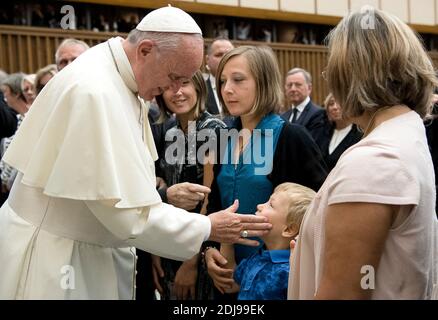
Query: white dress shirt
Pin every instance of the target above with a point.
(337, 137)
(212, 80)
(300, 109)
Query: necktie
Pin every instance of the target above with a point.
(295, 112)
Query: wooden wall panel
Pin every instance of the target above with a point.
(27, 49)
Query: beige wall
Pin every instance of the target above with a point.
(397, 7)
(357, 4)
(436, 12)
(301, 6)
(421, 12)
(260, 4)
(221, 2)
(332, 8)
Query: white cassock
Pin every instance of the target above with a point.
(85, 194)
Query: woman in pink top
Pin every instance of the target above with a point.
(371, 231)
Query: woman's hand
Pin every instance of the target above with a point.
(157, 272)
(185, 279)
(222, 278)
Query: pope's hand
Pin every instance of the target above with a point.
(186, 195)
(229, 227)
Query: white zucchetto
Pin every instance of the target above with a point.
(169, 19)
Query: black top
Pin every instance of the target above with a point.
(8, 119)
(323, 141)
(187, 168)
(312, 118)
(211, 104)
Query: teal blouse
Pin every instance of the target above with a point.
(247, 179)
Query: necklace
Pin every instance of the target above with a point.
(372, 119)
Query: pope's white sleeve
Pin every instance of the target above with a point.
(160, 229)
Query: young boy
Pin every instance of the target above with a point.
(264, 275)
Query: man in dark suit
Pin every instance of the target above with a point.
(431, 123)
(8, 118)
(215, 52)
(303, 111)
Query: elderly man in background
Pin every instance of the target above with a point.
(85, 193)
(303, 111)
(68, 51)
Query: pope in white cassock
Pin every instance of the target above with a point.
(85, 194)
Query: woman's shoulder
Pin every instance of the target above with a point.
(385, 162)
(292, 134)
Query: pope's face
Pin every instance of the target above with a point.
(169, 70)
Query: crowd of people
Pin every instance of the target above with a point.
(128, 144)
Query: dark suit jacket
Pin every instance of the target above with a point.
(211, 105)
(312, 118)
(323, 142)
(8, 119)
(432, 140)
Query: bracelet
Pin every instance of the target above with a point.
(203, 255)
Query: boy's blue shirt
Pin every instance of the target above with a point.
(264, 275)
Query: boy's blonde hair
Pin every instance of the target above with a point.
(299, 198)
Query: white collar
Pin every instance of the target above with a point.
(302, 105)
(212, 81)
(122, 63)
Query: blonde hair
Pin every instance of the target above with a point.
(329, 100)
(263, 66)
(383, 64)
(49, 69)
(201, 97)
(299, 198)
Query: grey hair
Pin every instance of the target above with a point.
(220, 38)
(3, 76)
(13, 81)
(165, 41)
(305, 73)
(70, 42)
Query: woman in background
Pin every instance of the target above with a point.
(338, 134)
(43, 76)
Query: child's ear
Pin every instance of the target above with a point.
(290, 231)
